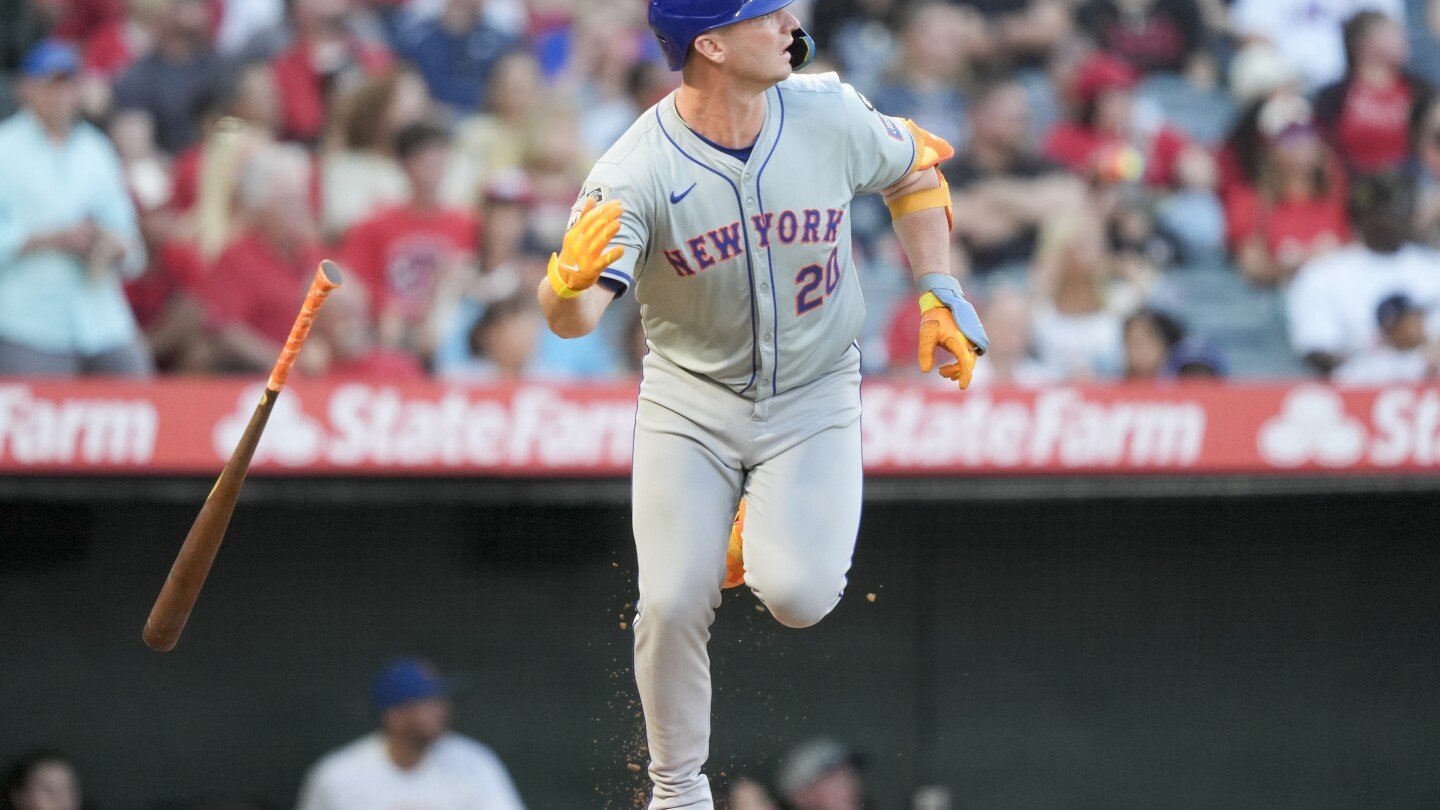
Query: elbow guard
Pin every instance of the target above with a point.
(930, 150)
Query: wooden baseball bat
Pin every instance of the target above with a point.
(187, 575)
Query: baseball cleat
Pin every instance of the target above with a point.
(735, 552)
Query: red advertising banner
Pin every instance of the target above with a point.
(188, 427)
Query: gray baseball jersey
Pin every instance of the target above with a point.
(744, 272)
(747, 289)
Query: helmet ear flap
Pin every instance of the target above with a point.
(802, 50)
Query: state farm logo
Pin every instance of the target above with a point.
(291, 437)
(1402, 429)
(1312, 426)
(68, 429)
(1061, 427)
(363, 425)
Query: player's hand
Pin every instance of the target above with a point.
(582, 256)
(938, 328)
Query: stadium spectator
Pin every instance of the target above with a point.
(1106, 121)
(1076, 334)
(324, 57)
(68, 233)
(493, 140)
(359, 172)
(413, 760)
(1367, 114)
(41, 780)
(1333, 300)
(1150, 337)
(504, 217)
(181, 71)
(1405, 353)
(1295, 210)
(1151, 35)
(1197, 359)
(1011, 358)
(1306, 32)
(924, 84)
(253, 291)
(403, 251)
(822, 774)
(242, 116)
(455, 51)
(502, 338)
(747, 794)
(347, 340)
(1002, 189)
(1425, 168)
(1257, 74)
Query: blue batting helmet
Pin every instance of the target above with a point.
(676, 23)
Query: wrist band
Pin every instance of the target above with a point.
(552, 273)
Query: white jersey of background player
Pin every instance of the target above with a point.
(726, 209)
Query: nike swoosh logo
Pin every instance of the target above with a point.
(675, 198)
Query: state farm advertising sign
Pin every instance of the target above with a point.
(188, 427)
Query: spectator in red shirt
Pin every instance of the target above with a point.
(252, 293)
(1296, 209)
(323, 56)
(1105, 119)
(1367, 114)
(404, 251)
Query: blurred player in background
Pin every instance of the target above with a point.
(414, 761)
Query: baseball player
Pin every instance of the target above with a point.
(726, 208)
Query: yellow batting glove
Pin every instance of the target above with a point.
(938, 328)
(582, 255)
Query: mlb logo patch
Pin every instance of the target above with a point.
(891, 128)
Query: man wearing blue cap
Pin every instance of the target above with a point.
(67, 233)
(414, 762)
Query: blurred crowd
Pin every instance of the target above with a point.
(1143, 189)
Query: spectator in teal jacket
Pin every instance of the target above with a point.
(67, 233)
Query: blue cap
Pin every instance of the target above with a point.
(1393, 308)
(404, 680)
(50, 57)
(676, 23)
(1193, 355)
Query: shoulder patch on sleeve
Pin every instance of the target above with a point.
(599, 192)
(891, 128)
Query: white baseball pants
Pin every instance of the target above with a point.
(699, 447)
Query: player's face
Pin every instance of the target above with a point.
(756, 48)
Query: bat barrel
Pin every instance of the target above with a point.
(187, 576)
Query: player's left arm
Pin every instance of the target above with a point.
(920, 207)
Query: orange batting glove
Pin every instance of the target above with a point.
(938, 328)
(582, 255)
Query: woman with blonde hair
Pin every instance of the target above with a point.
(1077, 326)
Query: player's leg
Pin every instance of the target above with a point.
(802, 515)
(684, 499)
